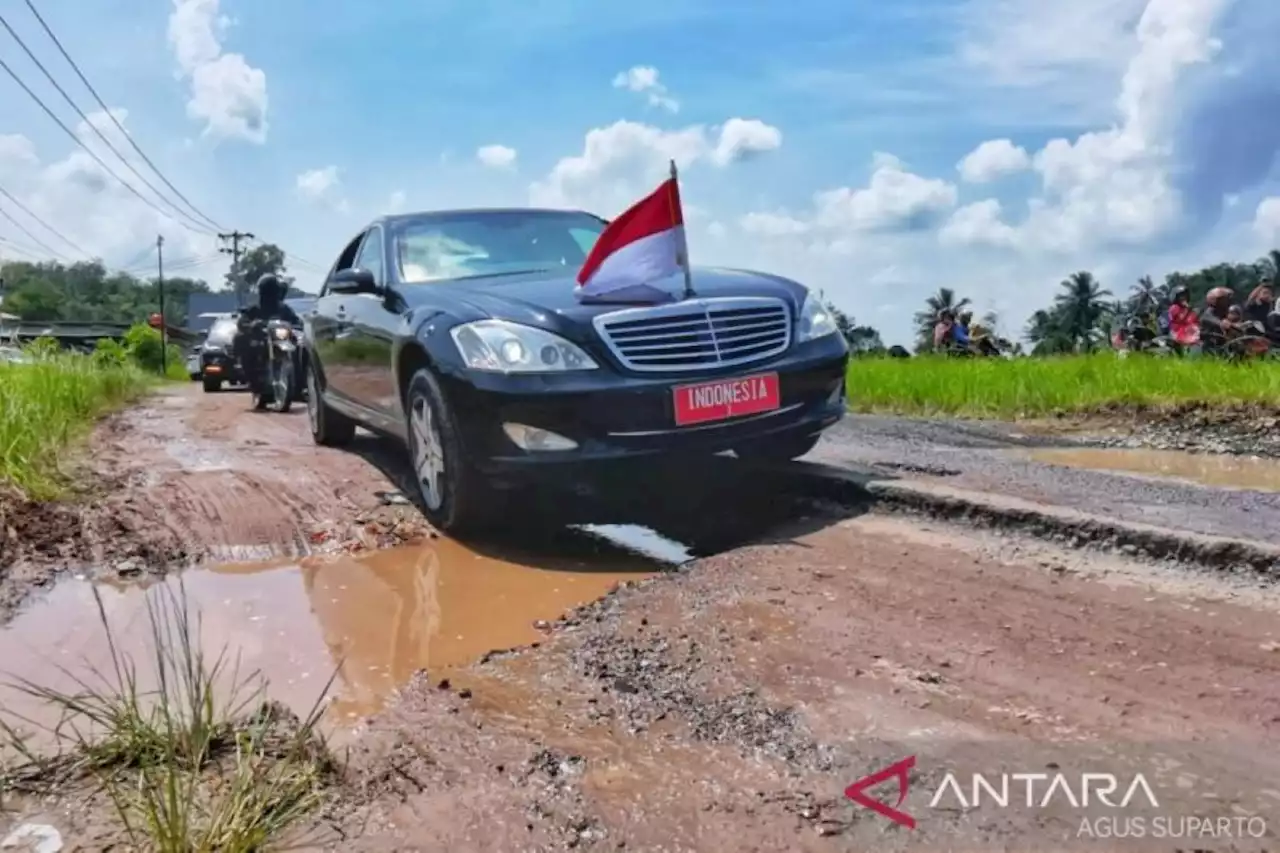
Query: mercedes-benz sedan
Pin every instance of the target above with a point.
(459, 333)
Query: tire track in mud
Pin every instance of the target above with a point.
(189, 477)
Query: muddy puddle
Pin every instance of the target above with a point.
(1220, 470)
(373, 619)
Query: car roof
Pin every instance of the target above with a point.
(393, 218)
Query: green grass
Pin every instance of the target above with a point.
(199, 763)
(1033, 387)
(47, 404)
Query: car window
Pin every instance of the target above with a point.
(370, 256)
(222, 331)
(441, 246)
(586, 238)
(345, 261)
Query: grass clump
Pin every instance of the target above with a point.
(50, 399)
(184, 771)
(1032, 387)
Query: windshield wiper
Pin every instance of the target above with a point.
(499, 274)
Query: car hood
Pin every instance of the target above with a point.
(550, 301)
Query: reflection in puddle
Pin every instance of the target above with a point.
(377, 618)
(1233, 472)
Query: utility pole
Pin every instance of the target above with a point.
(164, 325)
(236, 237)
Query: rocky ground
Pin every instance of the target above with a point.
(728, 704)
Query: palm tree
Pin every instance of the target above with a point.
(1044, 333)
(925, 320)
(1144, 294)
(1081, 307)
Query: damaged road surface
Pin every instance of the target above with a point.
(714, 680)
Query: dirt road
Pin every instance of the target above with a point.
(727, 704)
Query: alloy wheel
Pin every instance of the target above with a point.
(428, 453)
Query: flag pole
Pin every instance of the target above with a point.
(684, 243)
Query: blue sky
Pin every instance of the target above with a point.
(817, 139)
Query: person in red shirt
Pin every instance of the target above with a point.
(1184, 322)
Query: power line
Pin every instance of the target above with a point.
(76, 68)
(97, 131)
(34, 239)
(54, 231)
(69, 132)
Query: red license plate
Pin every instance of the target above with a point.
(727, 398)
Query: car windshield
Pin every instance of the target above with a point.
(438, 247)
(222, 331)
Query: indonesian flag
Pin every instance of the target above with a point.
(643, 245)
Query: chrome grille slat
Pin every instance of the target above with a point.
(702, 333)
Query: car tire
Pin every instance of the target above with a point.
(329, 427)
(456, 499)
(212, 386)
(778, 449)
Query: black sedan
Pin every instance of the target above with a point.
(459, 333)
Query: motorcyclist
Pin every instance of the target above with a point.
(271, 306)
(1216, 326)
(1184, 323)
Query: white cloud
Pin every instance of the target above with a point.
(496, 156)
(978, 224)
(621, 162)
(894, 199)
(643, 79)
(396, 201)
(1115, 186)
(227, 93)
(1266, 221)
(79, 198)
(772, 225)
(993, 159)
(322, 186)
(743, 139)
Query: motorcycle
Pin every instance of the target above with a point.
(277, 381)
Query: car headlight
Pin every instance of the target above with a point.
(504, 347)
(815, 320)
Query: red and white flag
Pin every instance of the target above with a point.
(644, 244)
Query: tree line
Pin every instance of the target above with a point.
(50, 291)
(1084, 312)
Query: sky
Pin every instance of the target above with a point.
(875, 152)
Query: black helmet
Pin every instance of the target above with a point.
(270, 288)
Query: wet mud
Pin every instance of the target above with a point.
(730, 706)
(698, 663)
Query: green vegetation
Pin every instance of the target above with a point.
(88, 291)
(185, 770)
(1032, 387)
(53, 397)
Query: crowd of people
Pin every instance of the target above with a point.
(1224, 326)
(959, 335)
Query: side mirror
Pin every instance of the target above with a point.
(353, 280)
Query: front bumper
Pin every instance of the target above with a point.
(614, 418)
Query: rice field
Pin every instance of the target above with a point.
(1033, 387)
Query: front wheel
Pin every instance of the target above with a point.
(454, 496)
(281, 384)
(780, 449)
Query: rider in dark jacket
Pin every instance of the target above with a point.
(271, 306)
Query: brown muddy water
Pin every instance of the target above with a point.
(374, 619)
(1219, 470)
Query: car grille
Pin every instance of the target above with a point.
(698, 334)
